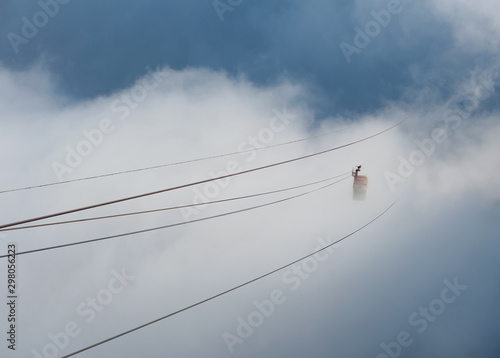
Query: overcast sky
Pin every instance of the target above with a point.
(91, 88)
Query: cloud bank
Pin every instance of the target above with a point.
(360, 296)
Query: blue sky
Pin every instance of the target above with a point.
(95, 48)
(91, 87)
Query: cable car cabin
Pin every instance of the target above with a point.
(359, 187)
(360, 184)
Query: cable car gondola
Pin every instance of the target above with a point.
(360, 184)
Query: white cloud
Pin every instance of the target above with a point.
(476, 24)
(196, 113)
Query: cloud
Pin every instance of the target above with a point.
(476, 26)
(360, 297)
